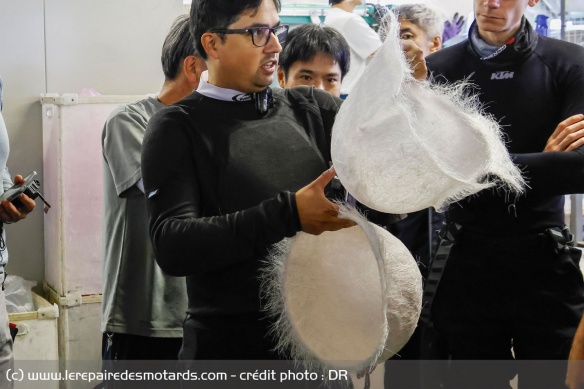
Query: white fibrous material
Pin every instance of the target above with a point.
(345, 299)
(401, 145)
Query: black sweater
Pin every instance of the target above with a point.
(533, 85)
(220, 182)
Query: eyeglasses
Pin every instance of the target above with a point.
(260, 36)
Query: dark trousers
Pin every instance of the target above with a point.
(235, 337)
(508, 298)
(134, 353)
(116, 347)
(401, 370)
(242, 343)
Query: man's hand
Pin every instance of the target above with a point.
(568, 136)
(415, 57)
(575, 374)
(317, 213)
(9, 213)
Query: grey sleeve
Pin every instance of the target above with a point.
(6, 179)
(122, 145)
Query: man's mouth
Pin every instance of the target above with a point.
(490, 17)
(270, 65)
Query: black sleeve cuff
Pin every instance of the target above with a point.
(294, 210)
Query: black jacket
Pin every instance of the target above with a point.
(530, 87)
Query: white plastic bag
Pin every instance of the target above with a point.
(18, 294)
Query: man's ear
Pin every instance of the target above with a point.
(281, 77)
(533, 3)
(211, 42)
(435, 44)
(192, 68)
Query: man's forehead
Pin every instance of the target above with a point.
(406, 23)
(265, 14)
(320, 57)
(317, 64)
(310, 70)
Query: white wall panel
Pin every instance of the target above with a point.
(112, 46)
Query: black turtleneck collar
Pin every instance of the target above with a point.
(519, 47)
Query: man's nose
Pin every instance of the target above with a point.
(492, 3)
(273, 45)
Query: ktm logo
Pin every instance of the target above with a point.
(502, 75)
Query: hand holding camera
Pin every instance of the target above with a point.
(18, 201)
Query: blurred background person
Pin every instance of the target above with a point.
(316, 56)
(363, 40)
(143, 308)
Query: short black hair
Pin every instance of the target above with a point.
(304, 42)
(177, 46)
(210, 14)
(333, 2)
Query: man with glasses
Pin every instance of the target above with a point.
(231, 170)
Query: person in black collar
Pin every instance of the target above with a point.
(512, 287)
(232, 169)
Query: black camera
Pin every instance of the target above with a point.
(30, 187)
